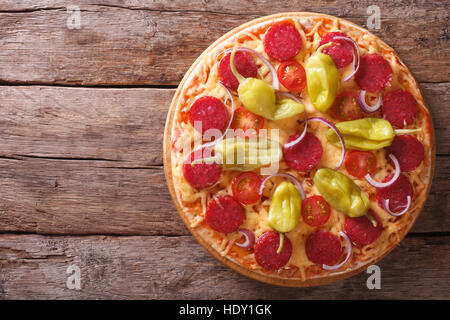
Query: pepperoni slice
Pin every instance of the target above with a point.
(224, 214)
(408, 150)
(323, 247)
(305, 155)
(202, 175)
(266, 251)
(341, 51)
(282, 41)
(210, 111)
(361, 231)
(374, 73)
(397, 193)
(244, 64)
(399, 108)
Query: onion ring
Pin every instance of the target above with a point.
(299, 138)
(397, 214)
(364, 106)
(249, 239)
(377, 184)
(348, 245)
(355, 57)
(284, 175)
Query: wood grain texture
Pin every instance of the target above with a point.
(135, 42)
(34, 267)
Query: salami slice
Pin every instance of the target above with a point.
(245, 65)
(210, 111)
(361, 231)
(323, 247)
(399, 108)
(224, 214)
(374, 73)
(305, 155)
(397, 193)
(282, 41)
(202, 175)
(341, 51)
(408, 151)
(266, 251)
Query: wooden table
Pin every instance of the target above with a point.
(82, 113)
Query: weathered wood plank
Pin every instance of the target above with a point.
(165, 37)
(118, 124)
(95, 197)
(34, 267)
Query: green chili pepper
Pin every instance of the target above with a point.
(259, 97)
(342, 193)
(366, 134)
(244, 154)
(322, 79)
(284, 211)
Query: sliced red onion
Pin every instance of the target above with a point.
(249, 239)
(348, 246)
(297, 183)
(300, 137)
(356, 58)
(275, 82)
(364, 106)
(397, 214)
(338, 133)
(212, 143)
(377, 184)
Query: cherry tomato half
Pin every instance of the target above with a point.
(315, 211)
(245, 120)
(346, 107)
(292, 76)
(245, 188)
(360, 163)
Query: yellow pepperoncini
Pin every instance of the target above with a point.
(342, 193)
(366, 134)
(259, 97)
(322, 79)
(244, 154)
(284, 211)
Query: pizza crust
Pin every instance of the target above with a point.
(220, 245)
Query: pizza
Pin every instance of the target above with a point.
(298, 149)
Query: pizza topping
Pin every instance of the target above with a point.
(341, 192)
(365, 106)
(340, 51)
(208, 113)
(305, 155)
(244, 64)
(315, 211)
(360, 163)
(397, 214)
(245, 188)
(249, 239)
(201, 175)
(292, 76)
(224, 214)
(408, 150)
(362, 231)
(348, 249)
(388, 183)
(282, 41)
(323, 247)
(356, 56)
(397, 193)
(345, 107)
(249, 122)
(374, 73)
(284, 211)
(297, 183)
(322, 79)
(266, 248)
(399, 108)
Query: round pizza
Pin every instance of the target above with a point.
(298, 149)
